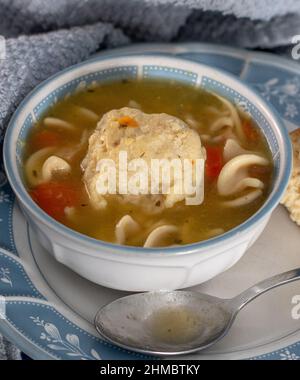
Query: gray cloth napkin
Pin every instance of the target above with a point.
(43, 37)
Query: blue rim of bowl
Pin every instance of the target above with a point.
(23, 196)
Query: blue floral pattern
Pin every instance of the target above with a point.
(70, 343)
(286, 94)
(288, 355)
(14, 279)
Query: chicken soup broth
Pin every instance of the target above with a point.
(61, 148)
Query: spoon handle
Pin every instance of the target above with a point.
(250, 294)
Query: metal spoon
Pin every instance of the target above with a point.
(176, 322)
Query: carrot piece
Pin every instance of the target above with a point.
(128, 121)
(250, 131)
(214, 161)
(45, 138)
(54, 197)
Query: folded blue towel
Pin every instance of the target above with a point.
(43, 37)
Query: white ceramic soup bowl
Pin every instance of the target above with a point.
(142, 269)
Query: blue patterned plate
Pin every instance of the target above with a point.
(50, 309)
